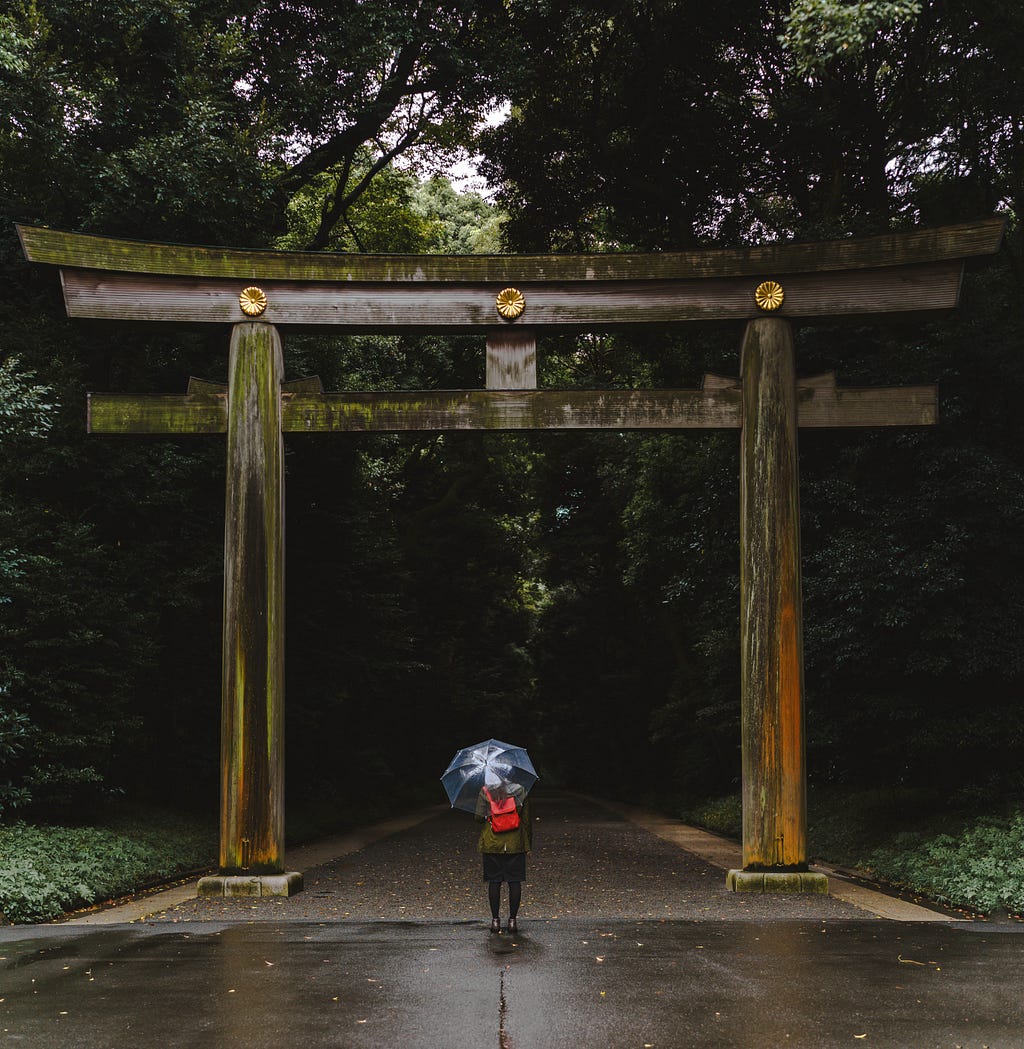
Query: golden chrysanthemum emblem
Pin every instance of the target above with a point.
(510, 303)
(769, 295)
(253, 301)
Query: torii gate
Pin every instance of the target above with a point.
(511, 298)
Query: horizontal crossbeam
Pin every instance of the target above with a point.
(171, 414)
(510, 410)
(821, 404)
(910, 247)
(717, 405)
(453, 307)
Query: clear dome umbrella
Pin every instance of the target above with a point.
(491, 763)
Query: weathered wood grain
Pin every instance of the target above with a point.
(454, 307)
(205, 387)
(771, 616)
(252, 726)
(307, 384)
(85, 251)
(822, 404)
(716, 406)
(511, 359)
(511, 410)
(134, 413)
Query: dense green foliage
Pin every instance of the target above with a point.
(907, 839)
(980, 869)
(575, 592)
(915, 841)
(50, 869)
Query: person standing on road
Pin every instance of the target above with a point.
(504, 852)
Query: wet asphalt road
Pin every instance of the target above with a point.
(587, 863)
(643, 947)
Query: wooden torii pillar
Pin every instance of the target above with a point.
(511, 299)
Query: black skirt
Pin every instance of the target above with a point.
(504, 866)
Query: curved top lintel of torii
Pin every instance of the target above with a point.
(114, 279)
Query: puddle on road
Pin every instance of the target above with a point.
(518, 946)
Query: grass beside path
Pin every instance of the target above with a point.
(966, 859)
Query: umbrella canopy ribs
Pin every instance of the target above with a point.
(489, 765)
(512, 300)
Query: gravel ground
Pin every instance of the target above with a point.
(587, 863)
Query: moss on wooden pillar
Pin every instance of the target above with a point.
(252, 728)
(774, 763)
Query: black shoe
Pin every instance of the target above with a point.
(495, 925)
(512, 927)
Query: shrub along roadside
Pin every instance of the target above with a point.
(980, 868)
(966, 860)
(48, 869)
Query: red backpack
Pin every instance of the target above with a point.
(504, 814)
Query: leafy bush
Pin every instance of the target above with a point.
(26, 408)
(48, 870)
(721, 815)
(907, 839)
(981, 868)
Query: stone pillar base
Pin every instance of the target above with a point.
(287, 884)
(776, 881)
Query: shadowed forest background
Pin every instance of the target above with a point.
(577, 593)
